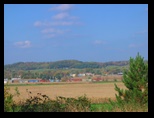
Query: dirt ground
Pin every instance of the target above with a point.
(91, 90)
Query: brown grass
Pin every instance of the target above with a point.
(96, 92)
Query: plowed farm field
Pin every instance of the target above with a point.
(91, 90)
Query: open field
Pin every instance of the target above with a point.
(91, 90)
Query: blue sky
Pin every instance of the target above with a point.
(84, 32)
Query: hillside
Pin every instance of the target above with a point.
(63, 64)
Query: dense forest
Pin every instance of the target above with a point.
(63, 64)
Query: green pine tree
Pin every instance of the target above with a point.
(136, 82)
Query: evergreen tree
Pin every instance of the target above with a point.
(136, 82)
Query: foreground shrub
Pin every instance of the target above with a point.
(8, 100)
(81, 104)
(42, 103)
(127, 107)
(39, 103)
(9, 103)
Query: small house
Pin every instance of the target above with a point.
(33, 81)
(5, 81)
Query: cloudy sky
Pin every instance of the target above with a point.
(85, 32)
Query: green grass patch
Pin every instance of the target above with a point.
(96, 107)
(101, 107)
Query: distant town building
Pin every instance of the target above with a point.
(81, 75)
(120, 73)
(72, 75)
(89, 74)
(5, 81)
(15, 78)
(33, 81)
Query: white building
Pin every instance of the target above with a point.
(5, 81)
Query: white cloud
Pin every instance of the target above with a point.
(62, 7)
(67, 23)
(97, 42)
(73, 17)
(23, 44)
(47, 36)
(48, 30)
(58, 23)
(52, 33)
(61, 16)
(134, 45)
(64, 15)
(37, 24)
(63, 23)
(141, 32)
(52, 30)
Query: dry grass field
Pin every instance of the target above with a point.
(91, 90)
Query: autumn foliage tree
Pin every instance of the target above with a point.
(136, 81)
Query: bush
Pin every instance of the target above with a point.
(42, 103)
(8, 100)
(81, 104)
(9, 104)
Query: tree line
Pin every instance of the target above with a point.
(63, 64)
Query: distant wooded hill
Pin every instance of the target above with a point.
(63, 64)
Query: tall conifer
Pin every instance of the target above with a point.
(136, 81)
